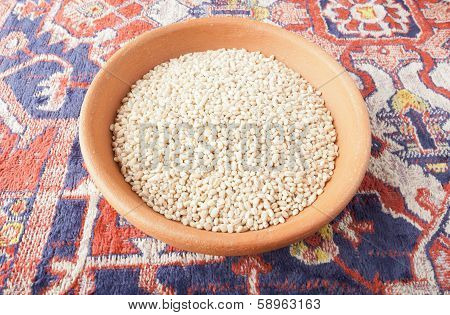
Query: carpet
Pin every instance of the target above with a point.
(59, 236)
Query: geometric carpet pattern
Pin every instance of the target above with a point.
(58, 235)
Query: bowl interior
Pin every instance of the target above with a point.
(135, 59)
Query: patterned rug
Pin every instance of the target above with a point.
(59, 236)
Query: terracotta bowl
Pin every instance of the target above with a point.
(136, 58)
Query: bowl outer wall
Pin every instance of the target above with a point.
(136, 58)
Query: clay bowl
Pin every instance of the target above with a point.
(136, 58)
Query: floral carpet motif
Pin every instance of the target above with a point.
(59, 236)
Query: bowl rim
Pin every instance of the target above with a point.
(207, 242)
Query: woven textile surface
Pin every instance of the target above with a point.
(59, 236)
